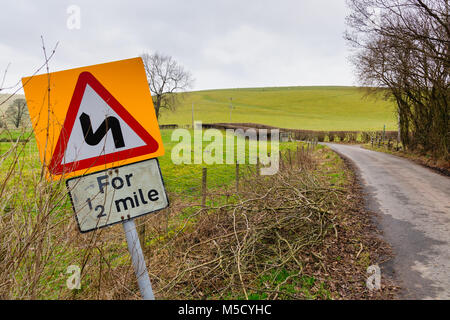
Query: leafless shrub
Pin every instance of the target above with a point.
(230, 247)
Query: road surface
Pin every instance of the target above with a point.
(413, 203)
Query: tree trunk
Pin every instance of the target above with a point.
(157, 106)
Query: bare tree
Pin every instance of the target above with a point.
(167, 80)
(402, 47)
(17, 112)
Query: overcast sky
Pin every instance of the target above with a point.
(225, 44)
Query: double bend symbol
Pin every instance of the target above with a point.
(94, 138)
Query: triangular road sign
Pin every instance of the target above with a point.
(97, 130)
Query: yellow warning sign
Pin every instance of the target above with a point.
(93, 118)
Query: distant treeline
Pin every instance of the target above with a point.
(403, 46)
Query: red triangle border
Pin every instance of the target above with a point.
(84, 79)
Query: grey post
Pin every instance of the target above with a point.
(137, 257)
(193, 115)
(231, 107)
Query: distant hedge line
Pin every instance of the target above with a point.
(297, 134)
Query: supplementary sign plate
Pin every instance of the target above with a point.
(118, 194)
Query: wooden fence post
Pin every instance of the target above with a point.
(281, 160)
(204, 173)
(301, 156)
(237, 176)
(290, 161)
(257, 166)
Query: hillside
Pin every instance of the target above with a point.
(312, 108)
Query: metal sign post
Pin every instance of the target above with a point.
(117, 195)
(137, 258)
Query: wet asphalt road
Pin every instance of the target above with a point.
(413, 206)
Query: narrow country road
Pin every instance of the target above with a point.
(413, 203)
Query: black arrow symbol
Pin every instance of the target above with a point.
(94, 138)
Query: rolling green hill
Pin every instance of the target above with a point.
(310, 108)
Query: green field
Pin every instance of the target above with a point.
(179, 178)
(309, 108)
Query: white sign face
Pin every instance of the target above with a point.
(118, 194)
(98, 130)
